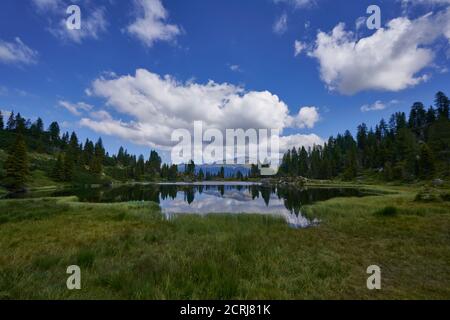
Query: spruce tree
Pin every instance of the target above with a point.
(54, 132)
(68, 168)
(426, 162)
(16, 165)
(2, 123)
(11, 124)
(58, 170)
(442, 105)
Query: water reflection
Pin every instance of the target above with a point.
(223, 198)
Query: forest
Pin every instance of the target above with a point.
(407, 148)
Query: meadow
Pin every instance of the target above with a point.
(129, 251)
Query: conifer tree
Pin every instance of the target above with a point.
(11, 124)
(16, 165)
(58, 170)
(69, 166)
(2, 123)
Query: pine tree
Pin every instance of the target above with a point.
(88, 152)
(54, 132)
(351, 165)
(11, 124)
(58, 170)
(69, 167)
(173, 173)
(16, 165)
(20, 124)
(2, 124)
(96, 166)
(426, 162)
(303, 163)
(190, 168)
(154, 163)
(442, 105)
(201, 175)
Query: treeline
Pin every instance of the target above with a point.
(80, 163)
(74, 162)
(405, 148)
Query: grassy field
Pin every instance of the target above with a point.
(128, 251)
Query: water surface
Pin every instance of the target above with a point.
(220, 198)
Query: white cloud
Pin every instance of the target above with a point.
(391, 59)
(423, 2)
(235, 68)
(307, 117)
(45, 5)
(150, 25)
(299, 140)
(17, 52)
(360, 22)
(299, 47)
(5, 112)
(155, 106)
(297, 3)
(280, 26)
(101, 115)
(377, 106)
(75, 108)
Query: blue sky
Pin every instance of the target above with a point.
(87, 79)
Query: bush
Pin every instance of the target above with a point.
(387, 212)
(428, 195)
(445, 196)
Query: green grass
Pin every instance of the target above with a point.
(128, 251)
(387, 211)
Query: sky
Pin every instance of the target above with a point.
(138, 70)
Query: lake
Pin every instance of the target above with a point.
(219, 198)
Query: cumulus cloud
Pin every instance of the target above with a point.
(391, 59)
(75, 108)
(307, 117)
(157, 105)
(17, 52)
(151, 24)
(299, 140)
(280, 26)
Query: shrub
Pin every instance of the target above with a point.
(428, 195)
(387, 212)
(445, 196)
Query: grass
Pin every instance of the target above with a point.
(128, 251)
(387, 211)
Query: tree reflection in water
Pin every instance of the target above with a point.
(176, 199)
